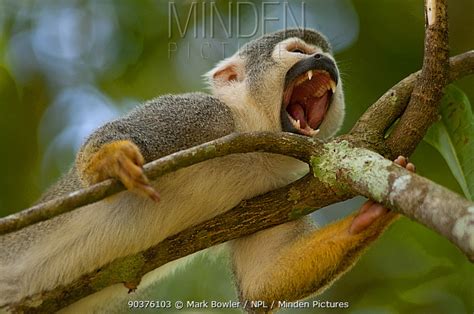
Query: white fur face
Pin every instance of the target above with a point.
(287, 53)
(228, 82)
(259, 106)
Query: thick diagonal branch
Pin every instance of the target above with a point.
(364, 172)
(373, 124)
(422, 110)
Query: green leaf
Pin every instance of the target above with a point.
(453, 137)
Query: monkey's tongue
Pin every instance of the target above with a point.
(316, 109)
(297, 112)
(311, 111)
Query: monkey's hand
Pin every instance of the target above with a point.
(121, 160)
(370, 211)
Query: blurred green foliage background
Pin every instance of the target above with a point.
(66, 67)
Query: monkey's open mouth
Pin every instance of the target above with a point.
(307, 99)
(309, 87)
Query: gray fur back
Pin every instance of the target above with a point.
(168, 124)
(159, 127)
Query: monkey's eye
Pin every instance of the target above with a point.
(297, 50)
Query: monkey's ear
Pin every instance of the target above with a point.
(228, 71)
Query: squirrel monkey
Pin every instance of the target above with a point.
(283, 81)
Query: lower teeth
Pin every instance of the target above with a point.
(308, 130)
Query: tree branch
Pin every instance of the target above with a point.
(296, 146)
(422, 110)
(364, 172)
(373, 124)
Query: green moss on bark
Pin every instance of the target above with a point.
(357, 165)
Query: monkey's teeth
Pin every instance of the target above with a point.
(310, 74)
(314, 132)
(309, 131)
(332, 85)
(298, 124)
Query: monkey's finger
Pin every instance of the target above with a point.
(405, 163)
(141, 184)
(366, 206)
(363, 220)
(411, 167)
(148, 190)
(143, 187)
(134, 179)
(136, 157)
(401, 161)
(126, 171)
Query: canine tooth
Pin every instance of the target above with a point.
(310, 74)
(298, 124)
(333, 86)
(291, 119)
(309, 131)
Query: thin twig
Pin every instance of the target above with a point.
(292, 145)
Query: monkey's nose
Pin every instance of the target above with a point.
(318, 56)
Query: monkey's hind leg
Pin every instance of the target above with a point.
(292, 261)
(302, 265)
